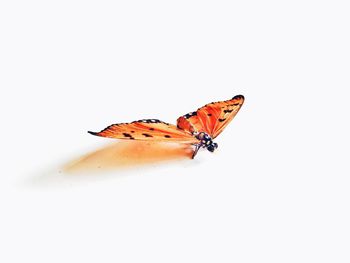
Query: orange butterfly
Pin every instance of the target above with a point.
(198, 128)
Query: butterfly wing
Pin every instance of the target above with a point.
(211, 118)
(229, 109)
(147, 130)
(190, 122)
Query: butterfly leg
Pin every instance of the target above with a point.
(198, 146)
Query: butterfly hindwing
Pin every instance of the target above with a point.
(211, 118)
(190, 122)
(147, 130)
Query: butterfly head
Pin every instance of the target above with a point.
(212, 147)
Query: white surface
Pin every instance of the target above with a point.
(277, 189)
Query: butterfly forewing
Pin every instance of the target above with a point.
(228, 110)
(211, 118)
(147, 130)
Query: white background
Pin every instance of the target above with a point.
(277, 188)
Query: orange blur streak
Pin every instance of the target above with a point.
(128, 154)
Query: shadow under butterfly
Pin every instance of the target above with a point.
(129, 154)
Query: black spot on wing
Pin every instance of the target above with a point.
(238, 97)
(127, 135)
(209, 114)
(189, 115)
(228, 111)
(147, 135)
(93, 133)
(167, 136)
(221, 120)
(150, 121)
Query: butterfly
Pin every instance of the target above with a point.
(198, 128)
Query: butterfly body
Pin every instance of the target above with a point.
(198, 128)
